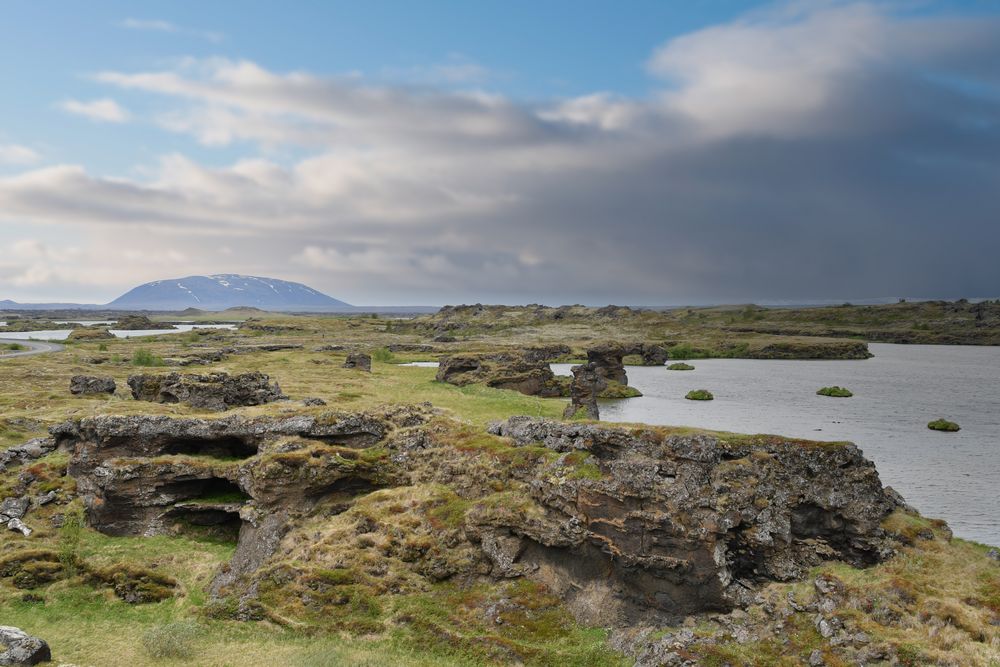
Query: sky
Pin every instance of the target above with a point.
(400, 153)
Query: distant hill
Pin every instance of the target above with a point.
(219, 292)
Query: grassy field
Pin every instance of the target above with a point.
(952, 591)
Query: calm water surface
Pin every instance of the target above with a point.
(954, 476)
(63, 334)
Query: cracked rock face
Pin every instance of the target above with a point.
(626, 525)
(684, 524)
(526, 373)
(216, 391)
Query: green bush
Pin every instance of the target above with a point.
(171, 640)
(699, 395)
(103, 347)
(143, 357)
(943, 425)
(383, 355)
(835, 391)
(680, 366)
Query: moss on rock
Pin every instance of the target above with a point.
(835, 392)
(943, 425)
(699, 395)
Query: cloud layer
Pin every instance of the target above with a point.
(835, 151)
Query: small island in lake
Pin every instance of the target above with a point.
(835, 391)
(943, 425)
(699, 395)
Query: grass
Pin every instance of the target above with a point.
(699, 395)
(943, 425)
(680, 366)
(953, 588)
(13, 347)
(836, 392)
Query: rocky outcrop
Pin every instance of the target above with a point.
(149, 475)
(19, 648)
(587, 385)
(359, 361)
(626, 525)
(88, 385)
(681, 524)
(90, 333)
(140, 323)
(527, 372)
(216, 391)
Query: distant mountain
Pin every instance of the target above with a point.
(226, 291)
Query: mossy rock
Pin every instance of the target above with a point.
(680, 366)
(835, 391)
(619, 390)
(943, 425)
(86, 333)
(699, 395)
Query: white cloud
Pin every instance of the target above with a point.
(103, 110)
(817, 128)
(159, 25)
(18, 155)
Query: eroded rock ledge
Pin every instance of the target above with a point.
(625, 525)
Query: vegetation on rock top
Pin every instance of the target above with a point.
(699, 395)
(943, 425)
(835, 391)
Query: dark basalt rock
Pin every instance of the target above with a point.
(684, 524)
(360, 361)
(587, 385)
(217, 391)
(527, 372)
(85, 385)
(655, 528)
(20, 648)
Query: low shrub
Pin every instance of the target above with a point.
(143, 357)
(699, 395)
(835, 391)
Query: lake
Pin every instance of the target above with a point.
(953, 476)
(63, 334)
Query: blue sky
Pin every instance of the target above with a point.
(408, 152)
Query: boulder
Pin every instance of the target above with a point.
(87, 385)
(216, 391)
(607, 360)
(20, 648)
(90, 333)
(359, 360)
(14, 508)
(526, 372)
(29, 451)
(587, 385)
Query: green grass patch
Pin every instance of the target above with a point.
(943, 425)
(680, 366)
(835, 392)
(699, 395)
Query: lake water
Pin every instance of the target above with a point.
(63, 334)
(953, 476)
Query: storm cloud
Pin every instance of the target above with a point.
(813, 151)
